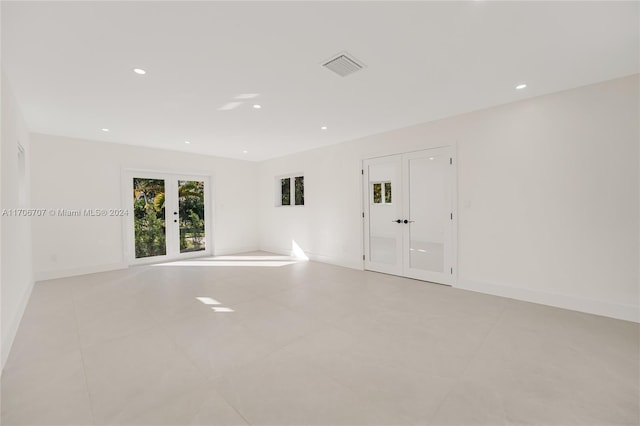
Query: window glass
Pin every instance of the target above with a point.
(299, 190)
(377, 193)
(285, 191)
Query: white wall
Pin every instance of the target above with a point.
(16, 279)
(77, 174)
(547, 192)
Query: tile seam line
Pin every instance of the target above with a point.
(464, 370)
(84, 365)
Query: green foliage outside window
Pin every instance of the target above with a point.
(150, 220)
(387, 192)
(377, 193)
(191, 214)
(149, 217)
(299, 190)
(290, 191)
(285, 191)
(381, 192)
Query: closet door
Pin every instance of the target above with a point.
(428, 211)
(409, 215)
(383, 214)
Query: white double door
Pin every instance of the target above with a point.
(168, 216)
(409, 215)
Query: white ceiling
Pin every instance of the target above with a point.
(70, 65)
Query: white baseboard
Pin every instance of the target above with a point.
(276, 250)
(331, 260)
(228, 251)
(63, 273)
(336, 261)
(596, 307)
(12, 328)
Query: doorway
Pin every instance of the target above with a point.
(409, 215)
(169, 216)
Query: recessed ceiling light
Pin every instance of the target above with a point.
(105, 130)
(521, 86)
(139, 71)
(187, 142)
(432, 158)
(256, 106)
(323, 128)
(245, 152)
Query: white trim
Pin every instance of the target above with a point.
(590, 306)
(227, 251)
(64, 273)
(12, 328)
(356, 264)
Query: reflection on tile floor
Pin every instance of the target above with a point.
(306, 343)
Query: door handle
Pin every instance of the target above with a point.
(397, 221)
(409, 221)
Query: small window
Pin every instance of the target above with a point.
(381, 192)
(290, 190)
(299, 190)
(377, 193)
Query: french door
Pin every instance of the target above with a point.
(168, 216)
(409, 215)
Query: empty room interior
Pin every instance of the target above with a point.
(320, 213)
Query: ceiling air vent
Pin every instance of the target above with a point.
(343, 64)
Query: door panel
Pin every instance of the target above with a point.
(149, 217)
(384, 205)
(429, 210)
(191, 215)
(417, 189)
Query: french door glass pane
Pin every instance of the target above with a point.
(149, 217)
(191, 215)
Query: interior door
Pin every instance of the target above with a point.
(428, 209)
(409, 215)
(383, 218)
(169, 216)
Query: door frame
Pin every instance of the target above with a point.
(128, 224)
(454, 210)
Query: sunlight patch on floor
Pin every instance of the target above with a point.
(269, 261)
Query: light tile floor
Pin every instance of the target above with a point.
(308, 344)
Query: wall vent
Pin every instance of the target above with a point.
(343, 64)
